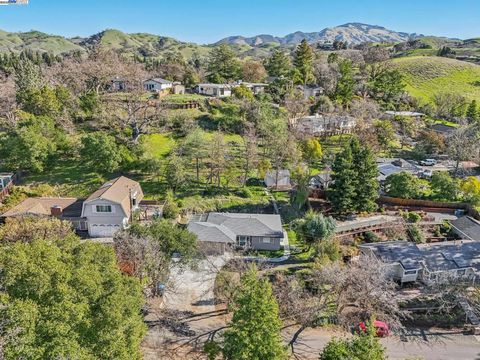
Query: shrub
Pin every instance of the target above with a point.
(370, 237)
(416, 234)
(245, 193)
(171, 210)
(411, 217)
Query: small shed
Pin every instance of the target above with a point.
(278, 180)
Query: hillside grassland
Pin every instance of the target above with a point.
(426, 76)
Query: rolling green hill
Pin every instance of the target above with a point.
(140, 44)
(426, 76)
(36, 41)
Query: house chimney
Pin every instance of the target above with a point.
(56, 211)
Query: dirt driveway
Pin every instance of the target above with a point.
(192, 289)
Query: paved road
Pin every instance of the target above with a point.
(417, 346)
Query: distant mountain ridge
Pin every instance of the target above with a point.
(352, 33)
(157, 46)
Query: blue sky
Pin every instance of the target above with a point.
(206, 21)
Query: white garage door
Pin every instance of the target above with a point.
(103, 230)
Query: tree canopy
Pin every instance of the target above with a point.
(254, 332)
(355, 186)
(65, 299)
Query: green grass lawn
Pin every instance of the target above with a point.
(70, 177)
(301, 255)
(445, 122)
(430, 75)
(157, 145)
(182, 98)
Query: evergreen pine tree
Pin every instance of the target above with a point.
(303, 62)
(473, 113)
(355, 187)
(366, 173)
(343, 190)
(278, 64)
(254, 332)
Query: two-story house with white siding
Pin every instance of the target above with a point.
(102, 214)
(110, 208)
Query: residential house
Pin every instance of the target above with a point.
(310, 90)
(117, 84)
(278, 180)
(405, 261)
(158, 85)
(256, 88)
(6, 183)
(387, 167)
(6, 179)
(412, 114)
(216, 90)
(322, 125)
(247, 231)
(110, 208)
(106, 211)
(68, 209)
(466, 228)
(442, 129)
(321, 181)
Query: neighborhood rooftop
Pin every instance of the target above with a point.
(159, 80)
(432, 257)
(467, 227)
(405, 113)
(241, 224)
(117, 190)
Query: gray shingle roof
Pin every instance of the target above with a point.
(160, 80)
(403, 252)
(434, 257)
(211, 232)
(468, 228)
(225, 227)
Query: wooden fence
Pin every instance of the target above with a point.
(429, 205)
(420, 203)
(182, 106)
(425, 205)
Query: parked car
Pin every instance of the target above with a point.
(428, 162)
(381, 328)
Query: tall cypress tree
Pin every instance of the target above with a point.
(303, 62)
(343, 190)
(254, 332)
(355, 187)
(366, 172)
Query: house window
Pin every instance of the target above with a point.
(243, 240)
(104, 208)
(266, 240)
(410, 272)
(461, 272)
(134, 202)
